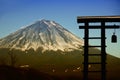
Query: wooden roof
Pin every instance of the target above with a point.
(82, 19)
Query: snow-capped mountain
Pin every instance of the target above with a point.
(43, 33)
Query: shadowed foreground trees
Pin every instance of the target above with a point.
(12, 73)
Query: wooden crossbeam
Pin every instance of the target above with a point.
(99, 27)
(82, 19)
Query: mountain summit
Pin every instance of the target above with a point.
(45, 34)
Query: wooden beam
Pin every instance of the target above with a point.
(82, 19)
(99, 27)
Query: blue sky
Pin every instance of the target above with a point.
(17, 13)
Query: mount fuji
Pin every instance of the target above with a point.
(50, 48)
(45, 34)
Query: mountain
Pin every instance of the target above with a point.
(47, 46)
(45, 34)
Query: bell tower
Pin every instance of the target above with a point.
(102, 20)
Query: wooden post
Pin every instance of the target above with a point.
(86, 43)
(103, 51)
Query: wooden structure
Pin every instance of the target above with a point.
(102, 20)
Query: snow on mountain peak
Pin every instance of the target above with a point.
(43, 33)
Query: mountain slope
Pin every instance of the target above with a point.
(46, 34)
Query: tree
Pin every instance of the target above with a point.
(13, 57)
